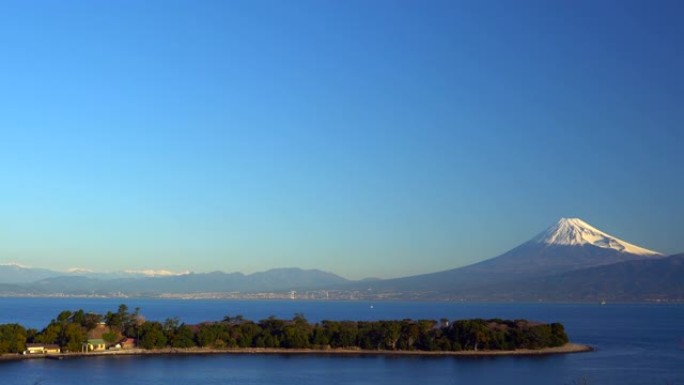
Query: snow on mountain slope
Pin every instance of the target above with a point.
(568, 245)
(576, 232)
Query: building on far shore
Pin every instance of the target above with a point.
(42, 349)
(52, 349)
(94, 345)
(128, 343)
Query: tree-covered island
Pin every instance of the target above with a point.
(76, 331)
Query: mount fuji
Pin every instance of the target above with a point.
(568, 245)
(576, 232)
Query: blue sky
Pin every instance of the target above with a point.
(381, 138)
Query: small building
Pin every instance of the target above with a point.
(42, 349)
(34, 349)
(128, 343)
(94, 345)
(52, 349)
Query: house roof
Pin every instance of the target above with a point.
(96, 341)
(42, 346)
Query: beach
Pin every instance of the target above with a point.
(565, 349)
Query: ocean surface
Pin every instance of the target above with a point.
(635, 344)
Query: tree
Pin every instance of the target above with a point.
(64, 317)
(73, 337)
(182, 337)
(152, 336)
(12, 338)
(78, 317)
(410, 334)
(297, 333)
(392, 332)
(271, 332)
(472, 334)
(212, 335)
(170, 326)
(113, 320)
(321, 337)
(346, 334)
(245, 333)
(136, 322)
(49, 335)
(110, 337)
(558, 335)
(91, 320)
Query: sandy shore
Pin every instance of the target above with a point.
(565, 349)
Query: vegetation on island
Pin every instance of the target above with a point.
(70, 329)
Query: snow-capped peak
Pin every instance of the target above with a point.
(576, 232)
(156, 273)
(15, 265)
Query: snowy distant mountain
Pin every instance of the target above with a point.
(569, 261)
(214, 282)
(576, 232)
(567, 245)
(129, 273)
(13, 273)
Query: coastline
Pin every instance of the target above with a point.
(568, 348)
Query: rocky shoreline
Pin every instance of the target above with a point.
(565, 349)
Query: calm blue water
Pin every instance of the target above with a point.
(636, 344)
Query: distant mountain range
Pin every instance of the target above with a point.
(12, 273)
(274, 280)
(16, 273)
(570, 261)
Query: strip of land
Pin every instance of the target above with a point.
(565, 349)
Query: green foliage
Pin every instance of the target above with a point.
(297, 333)
(49, 335)
(110, 337)
(73, 336)
(91, 320)
(182, 337)
(69, 330)
(152, 336)
(12, 338)
(212, 335)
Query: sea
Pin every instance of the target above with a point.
(634, 344)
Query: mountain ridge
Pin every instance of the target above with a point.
(651, 280)
(565, 246)
(550, 263)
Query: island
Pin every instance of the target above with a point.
(78, 333)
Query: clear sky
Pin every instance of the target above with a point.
(367, 138)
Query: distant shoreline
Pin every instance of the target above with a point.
(287, 298)
(565, 349)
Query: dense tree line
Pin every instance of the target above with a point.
(69, 330)
(427, 335)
